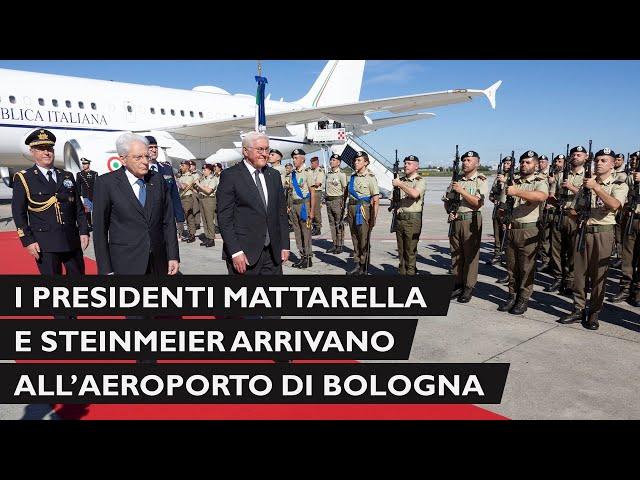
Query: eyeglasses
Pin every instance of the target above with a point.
(138, 158)
(260, 149)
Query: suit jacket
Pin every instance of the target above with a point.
(242, 217)
(125, 234)
(167, 172)
(54, 232)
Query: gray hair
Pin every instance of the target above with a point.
(251, 137)
(124, 141)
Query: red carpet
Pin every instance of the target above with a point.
(16, 261)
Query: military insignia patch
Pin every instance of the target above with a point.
(20, 233)
(67, 183)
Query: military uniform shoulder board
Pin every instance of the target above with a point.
(481, 177)
(371, 174)
(619, 181)
(540, 178)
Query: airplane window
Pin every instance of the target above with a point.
(81, 104)
(93, 106)
(201, 116)
(173, 112)
(182, 112)
(12, 99)
(162, 111)
(41, 102)
(129, 109)
(67, 103)
(153, 110)
(191, 113)
(54, 102)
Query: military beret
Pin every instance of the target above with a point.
(470, 153)
(273, 150)
(528, 154)
(85, 160)
(40, 137)
(192, 162)
(208, 166)
(543, 157)
(620, 155)
(184, 162)
(560, 157)
(335, 155)
(314, 159)
(152, 140)
(362, 154)
(577, 149)
(635, 154)
(297, 151)
(219, 165)
(606, 151)
(412, 158)
(508, 158)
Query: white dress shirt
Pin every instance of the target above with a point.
(45, 170)
(132, 181)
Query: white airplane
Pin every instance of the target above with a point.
(206, 123)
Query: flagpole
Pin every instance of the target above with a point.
(257, 124)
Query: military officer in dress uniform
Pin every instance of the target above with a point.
(409, 215)
(302, 208)
(607, 196)
(530, 190)
(85, 179)
(317, 180)
(467, 226)
(363, 194)
(47, 211)
(563, 251)
(166, 170)
(336, 186)
(193, 170)
(206, 188)
(287, 193)
(275, 161)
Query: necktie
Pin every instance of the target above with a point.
(51, 180)
(256, 173)
(142, 193)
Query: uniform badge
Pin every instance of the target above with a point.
(67, 183)
(20, 233)
(599, 202)
(607, 151)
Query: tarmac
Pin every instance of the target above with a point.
(556, 371)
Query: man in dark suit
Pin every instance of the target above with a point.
(47, 211)
(85, 180)
(252, 212)
(166, 170)
(133, 220)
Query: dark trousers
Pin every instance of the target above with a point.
(266, 265)
(50, 263)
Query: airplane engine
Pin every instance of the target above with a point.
(101, 150)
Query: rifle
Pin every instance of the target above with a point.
(496, 191)
(454, 198)
(585, 211)
(633, 203)
(627, 165)
(564, 193)
(395, 200)
(511, 200)
(545, 210)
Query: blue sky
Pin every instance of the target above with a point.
(541, 105)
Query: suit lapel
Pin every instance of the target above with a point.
(127, 191)
(152, 183)
(271, 188)
(251, 184)
(59, 179)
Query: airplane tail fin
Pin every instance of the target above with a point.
(340, 82)
(490, 93)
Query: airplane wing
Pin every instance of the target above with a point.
(352, 111)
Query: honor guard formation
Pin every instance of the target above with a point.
(575, 212)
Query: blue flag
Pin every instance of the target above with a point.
(261, 118)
